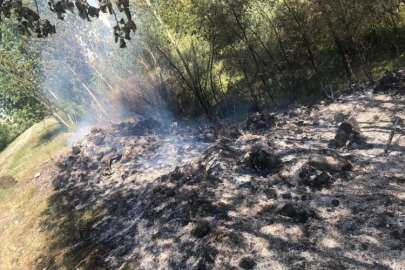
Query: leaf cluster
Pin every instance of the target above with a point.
(29, 21)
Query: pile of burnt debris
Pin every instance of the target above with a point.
(310, 188)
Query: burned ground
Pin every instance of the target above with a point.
(274, 193)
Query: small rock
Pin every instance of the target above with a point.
(201, 230)
(97, 139)
(76, 150)
(296, 212)
(315, 178)
(343, 134)
(348, 133)
(95, 130)
(247, 263)
(37, 175)
(335, 203)
(270, 193)
(286, 196)
(109, 159)
(60, 164)
(260, 121)
(330, 163)
(339, 117)
(93, 166)
(263, 162)
(305, 197)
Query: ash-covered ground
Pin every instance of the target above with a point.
(309, 188)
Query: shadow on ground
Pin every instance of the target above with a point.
(216, 213)
(196, 218)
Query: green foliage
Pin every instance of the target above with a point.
(19, 107)
(198, 53)
(268, 52)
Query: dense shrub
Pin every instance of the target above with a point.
(5, 136)
(268, 52)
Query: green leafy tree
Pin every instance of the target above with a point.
(19, 108)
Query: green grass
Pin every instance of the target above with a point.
(38, 226)
(32, 149)
(21, 205)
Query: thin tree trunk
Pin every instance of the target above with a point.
(338, 43)
(185, 81)
(191, 82)
(253, 54)
(270, 54)
(92, 95)
(98, 104)
(60, 120)
(304, 38)
(279, 41)
(100, 75)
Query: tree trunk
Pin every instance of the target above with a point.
(92, 95)
(191, 81)
(253, 54)
(338, 43)
(60, 120)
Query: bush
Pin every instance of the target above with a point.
(5, 136)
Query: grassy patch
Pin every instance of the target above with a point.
(22, 204)
(30, 151)
(38, 228)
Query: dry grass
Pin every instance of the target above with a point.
(21, 205)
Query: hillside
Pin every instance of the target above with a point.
(202, 134)
(307, 188)
(28, 160)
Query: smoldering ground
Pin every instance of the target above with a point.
(273, 194)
